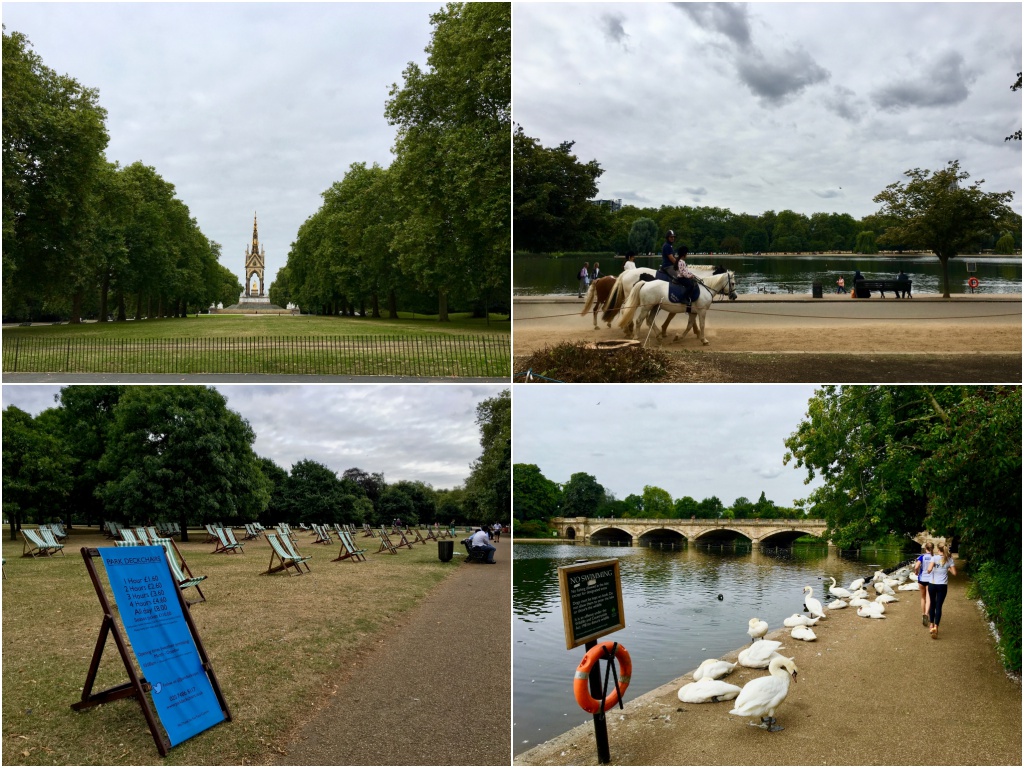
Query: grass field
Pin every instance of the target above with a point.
(265, 344)
(279, 645)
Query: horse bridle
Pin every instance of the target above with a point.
(713, 292)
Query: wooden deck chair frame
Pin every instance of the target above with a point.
(385, 544)
(368, 531)
(34, 544)
(404, 542)
(142, 535)
(417, 537)
(348, 550)
(322, 534)
(284, 559)
(136, 685)
(127, 534)
(113, 529)
(251, 532)
(51, 541)
(226, 542)
(180, 570)
(211, 533)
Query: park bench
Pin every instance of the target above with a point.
(473, 555)
(862, 288)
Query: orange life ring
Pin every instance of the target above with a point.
(581, 680)
(973, 282)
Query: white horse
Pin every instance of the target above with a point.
(624, 285)
(648, 298)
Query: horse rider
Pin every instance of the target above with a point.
(668, 257)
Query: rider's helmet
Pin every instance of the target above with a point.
(669, 234)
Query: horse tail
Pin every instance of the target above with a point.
(614, 302)
(591, 293)
(631, 304)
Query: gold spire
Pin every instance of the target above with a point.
(255, 235)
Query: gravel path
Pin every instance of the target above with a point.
(869, 692)
(437, 691)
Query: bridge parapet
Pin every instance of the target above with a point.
(692, 529)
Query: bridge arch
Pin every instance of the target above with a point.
(611, 534)
(662, 537)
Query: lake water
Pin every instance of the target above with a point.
(540, 275)
(674, 619)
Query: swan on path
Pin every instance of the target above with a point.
(910, 586)
(758, 655)
(886, 599)
(757, 628)
(713, 669)
(835, 605)
(857, 602)
(882, 588)
(762, 696)
(803, 633)
(812, 604)
(856, 584)
(707, 690)
(872, 611)
(859, 593)
(837, 591)
(796, 620)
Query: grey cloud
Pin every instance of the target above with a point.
(844, 103)
(774, 82)
(940, 84)
(613, 28)
(728, 19)
(696, 190)
(827, 193)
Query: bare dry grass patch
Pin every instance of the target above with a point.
(280, 646)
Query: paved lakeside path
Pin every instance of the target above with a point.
(436, 691)
(869, 692)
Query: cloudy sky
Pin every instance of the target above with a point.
(245, 107)
(691, 440)
(424, 432)
(772, 106)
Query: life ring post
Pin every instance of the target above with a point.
(604, 755)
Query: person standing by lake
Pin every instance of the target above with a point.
(841, 285)
(923, 577)
(630, 262)
(584, 278)
(939, 569)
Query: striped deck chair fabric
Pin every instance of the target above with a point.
(185, 578)
(322, 535)
(226, 541)
(385, 543)
(348, 549)
(36, 544)
(127, 534)
(143, 536)
(280, 558)
(211, 533)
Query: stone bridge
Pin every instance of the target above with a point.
(648, 531)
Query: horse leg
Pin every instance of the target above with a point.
(664, 326)
(703, 338)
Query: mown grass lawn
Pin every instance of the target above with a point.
(279, 646)
(249, 326)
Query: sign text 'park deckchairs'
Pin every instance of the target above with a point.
(175, 670)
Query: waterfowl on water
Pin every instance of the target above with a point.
(761, 697)
(757, 628)
(759, 655)
(707, 690)
(812, 604)
(713, 669)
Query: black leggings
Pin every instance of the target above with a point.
(937, 595)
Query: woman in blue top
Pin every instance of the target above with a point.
(939, 569)
(923, 577)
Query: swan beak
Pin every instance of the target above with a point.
(794, 675)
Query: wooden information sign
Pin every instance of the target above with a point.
(591, 600)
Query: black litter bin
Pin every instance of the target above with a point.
(445, 550)
(816, 290)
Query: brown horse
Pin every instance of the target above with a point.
(597, 297)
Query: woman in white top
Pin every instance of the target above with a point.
(923, 577)
(939, 569)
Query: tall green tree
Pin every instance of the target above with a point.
(581, 495)
(489, 485)
(937, 211)
(452, 165)
(534, 496)
(36, 470)
(643, 235)
(179, 453)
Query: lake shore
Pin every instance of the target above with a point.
(869, 692)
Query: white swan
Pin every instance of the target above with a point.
(859, 593)
(803, 633)
(886, 599)
(761, 697)
(796, 620)
(837, 591)
(835, 605)
(812, 604)
(759, 654)
(872, 611)
(712, 669)
(857, 602)
(856, 584)
(910, 586)
(707, 690)
(882, 588)
(757, 628)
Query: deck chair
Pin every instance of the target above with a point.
(385, 543)
(113, 529)
(211, 533)
(431, 534)
(36, 544)
(127, 534)
(402, 541)
(152, 533)
(173, 529)
(3, 567)
(323, 535)
(417, 537)
(143, 536)
(51, 541)
(348, 549)
(180, 570)
(284, 559)
(251, 532)
(226, 541)
(283, 529)
(368, 531)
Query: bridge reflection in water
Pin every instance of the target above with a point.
(673, 534)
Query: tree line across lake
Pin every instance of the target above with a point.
(142, 455)
(84, 237)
